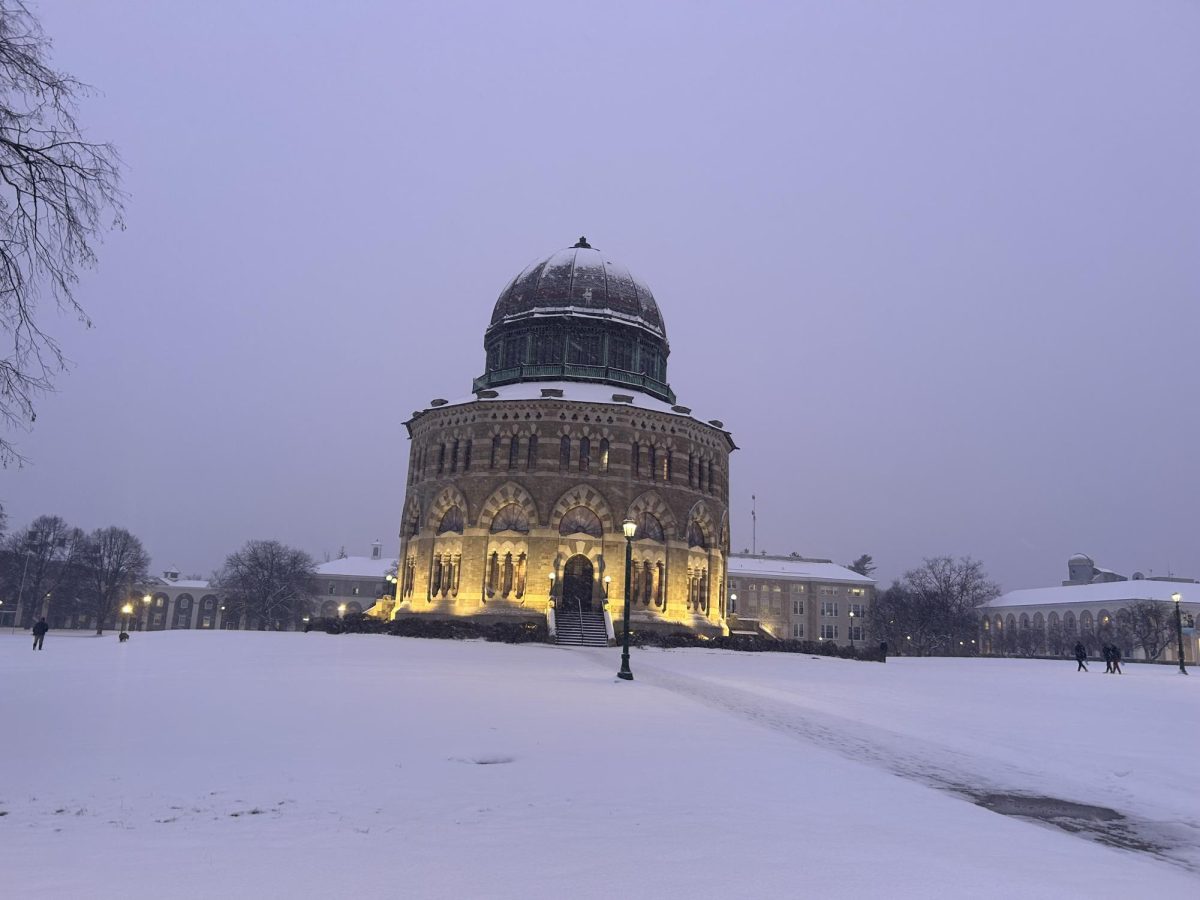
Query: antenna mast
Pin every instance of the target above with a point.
(753, 525)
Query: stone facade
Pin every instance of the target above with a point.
(517, 495)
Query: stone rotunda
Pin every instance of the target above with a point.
(516, 495)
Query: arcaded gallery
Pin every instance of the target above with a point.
(517, 494)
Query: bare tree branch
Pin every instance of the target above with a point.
(59, 193)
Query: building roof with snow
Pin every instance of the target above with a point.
(1101, 592)
(357, 567)
(796, 568)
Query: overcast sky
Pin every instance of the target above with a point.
(934, 264)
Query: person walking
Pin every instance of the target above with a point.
(1107, 651)
(39, 632)
(1081, 656)
(1116, 659)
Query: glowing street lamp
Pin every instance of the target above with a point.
(629, 527)
(851, 629)
(1178, 598)
(551, 576)
(607, 582)
(341, 610)
(127, 609)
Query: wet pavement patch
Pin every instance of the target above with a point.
(1100, 823)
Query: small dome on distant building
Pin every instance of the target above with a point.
(1082, 558)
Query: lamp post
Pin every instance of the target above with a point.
(341, 610)
(607, 582)
(630, 528)
(146, 598)
(127, 609)
(1178, 598)
(851, 629)
(551, 577)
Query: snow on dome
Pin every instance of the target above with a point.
(579, 278)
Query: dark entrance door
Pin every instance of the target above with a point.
(577, 585)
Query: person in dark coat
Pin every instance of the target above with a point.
(39, 633)
(1081, 656)
(1115, 653)
(1108, 659)
(883, 651)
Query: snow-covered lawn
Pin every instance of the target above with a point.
(187, 764)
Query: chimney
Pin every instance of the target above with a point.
(377, 550)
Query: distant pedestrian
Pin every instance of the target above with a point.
(1081, 656)
(1116, 659)
(1108, 663)
(39, 633)
(883, 651)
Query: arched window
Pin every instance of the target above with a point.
(506, 583)
(514, 451)
(585, 454)
(635, 458)
(647, 582)
(696, 536)
(691, 470)
(580, 520)
(467, 457)
(493, 573)
(659, 587)
(649, 529)
(495, 451)
(711, 489)
(454, 456)
(564, 452)
(441, 458)
(510, 518)
(700, 475)
(603, 454)
(653, 451)
(531, 454)
(452, 521)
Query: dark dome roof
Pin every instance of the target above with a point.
(579, 279)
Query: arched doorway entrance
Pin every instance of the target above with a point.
(577, 584)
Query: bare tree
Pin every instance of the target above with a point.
(1152, 624)
(933, 608)
(43, 563)
(115, 561)
(58, 194)
(267, 584)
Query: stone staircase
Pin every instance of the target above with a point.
(580, 629)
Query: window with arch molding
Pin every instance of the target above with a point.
(696, 536)
(564, 452)
(585, 454)
(514, 451)
(510, 518)
(649, 528)
(531, 454)
(580, 520)
(603, 454)
(452, 521)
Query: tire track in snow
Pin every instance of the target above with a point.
(995, 785)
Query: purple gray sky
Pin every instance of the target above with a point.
(934, 264)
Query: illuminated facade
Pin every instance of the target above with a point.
(516, 494)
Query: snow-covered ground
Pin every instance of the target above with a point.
(187, 764)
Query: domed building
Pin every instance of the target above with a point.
(517, 494)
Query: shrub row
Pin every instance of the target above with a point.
(537, 632)
(752, 644)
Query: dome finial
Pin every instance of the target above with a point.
(582, 243)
